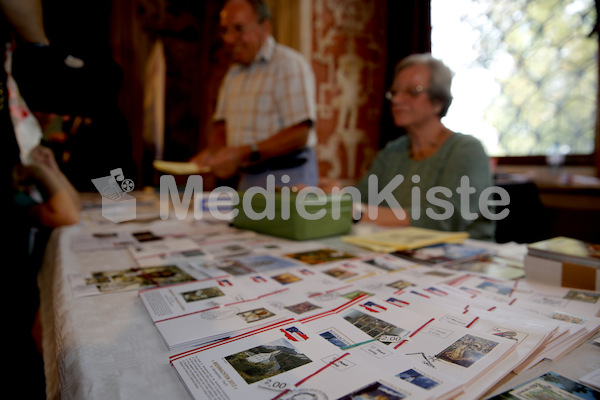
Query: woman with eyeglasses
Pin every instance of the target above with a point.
(431, 177)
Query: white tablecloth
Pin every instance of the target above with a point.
(99, 347)
(106, 346)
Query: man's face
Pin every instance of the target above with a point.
(241, 31)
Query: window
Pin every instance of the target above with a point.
(525, 72)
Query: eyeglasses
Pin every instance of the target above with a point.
(237, 29)
(413, 92)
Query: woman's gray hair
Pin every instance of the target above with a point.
(441, 78)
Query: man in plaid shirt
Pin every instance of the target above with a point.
(265, 114)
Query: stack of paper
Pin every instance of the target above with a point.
(563, 261)
(567, 249)
(294, 361)
(267, 317)
(220, 322)
(575, 312)
(528, 335)
(283, 362)
(367, 345)
(549, 386)
(196, 313)
(404, 239)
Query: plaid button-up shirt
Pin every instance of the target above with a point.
(275, 92)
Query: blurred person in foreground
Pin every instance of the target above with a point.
(23, 20)
(428, 157)
(266, 107)
(43, 193)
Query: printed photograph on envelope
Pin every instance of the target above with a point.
(356, 293)
(286, 278)
(165, 275)
(255, 315)
(111, 281)
(340, 273)
(508, 333)
(418, 378)
(302, 308)
(561, 316)
(320, 256)
(467, 350)
(401, 284)
(335, 337)
(202, 294)
(586, 297)
(263, 262)
(549, 386)
(267, 360)
(213, 268)
(372, 326)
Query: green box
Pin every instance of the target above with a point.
(287, 212)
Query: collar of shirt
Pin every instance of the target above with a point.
(266, 50)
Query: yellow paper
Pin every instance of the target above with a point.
(405, 238)
(178, 167)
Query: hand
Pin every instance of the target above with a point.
(202, 159)
(226, 162)
(44, 157)
(386, 216)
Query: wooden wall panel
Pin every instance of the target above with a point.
(345, 40)
(349, 56)
(186, 31)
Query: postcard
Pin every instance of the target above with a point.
(265, 364)
(189, 330)
(193, 297)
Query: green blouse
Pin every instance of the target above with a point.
(460, 156)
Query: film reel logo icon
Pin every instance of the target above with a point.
(126, 184)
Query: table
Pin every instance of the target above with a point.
(106, 347)
(98, 347)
